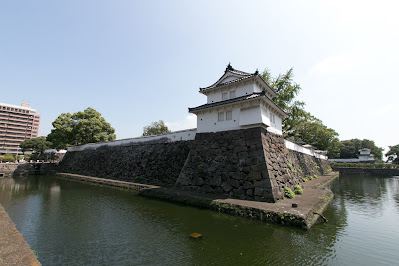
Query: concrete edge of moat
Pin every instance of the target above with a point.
(310, 205)
(13, 248)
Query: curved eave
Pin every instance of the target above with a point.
(234, 72)
(263, 98)
(252, 77)
(259, 77)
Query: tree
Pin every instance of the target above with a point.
(287, 91)
(38, 145)
(80, 128)
(156, 128)
(313, 132)
(300, 125)
(350, 148)
(394, 152)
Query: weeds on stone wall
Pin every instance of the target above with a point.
(288, 193)
(298, 190)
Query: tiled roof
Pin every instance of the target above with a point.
(245, 75)
(230, 69)
(238, 99)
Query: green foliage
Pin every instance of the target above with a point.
(288, 193)
(364, 165)
(313, 132)
(350, 149)
(329, 170)
(283, 84)
(80, 128)
(34, 253)
(8, 157)
(300, 126)
(37, 145)
(298, 190)
(138, 179)
(315, 176)
(309, 177)
(392, 153)
(32, 157)
(156, 128)
(289, 165)
(304, 179)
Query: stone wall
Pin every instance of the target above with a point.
(148, 163)
(228, 162)
(251, 164)
(8, 168)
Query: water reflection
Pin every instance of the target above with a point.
(76, 223)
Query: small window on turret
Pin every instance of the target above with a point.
(272, 118)
(221, 117)
(229, 115)
(224, 96)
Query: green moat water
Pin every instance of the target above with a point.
(72, 223)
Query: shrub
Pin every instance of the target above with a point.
(305, 179)
(298, 190)
(288, 193)
(316, 176)
(310, 177)
(138, 179)
(364, 165)
(8, 157)
(289, 165)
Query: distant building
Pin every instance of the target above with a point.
(238, 100)
(17, 123)
(364, 156)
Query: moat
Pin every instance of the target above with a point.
(72, 223)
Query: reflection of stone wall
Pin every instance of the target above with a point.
(148, 163)
(249, 164)
(367, 171)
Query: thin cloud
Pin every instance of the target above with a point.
(190, 121)
(386, 109)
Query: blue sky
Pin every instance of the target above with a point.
(142, 61)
